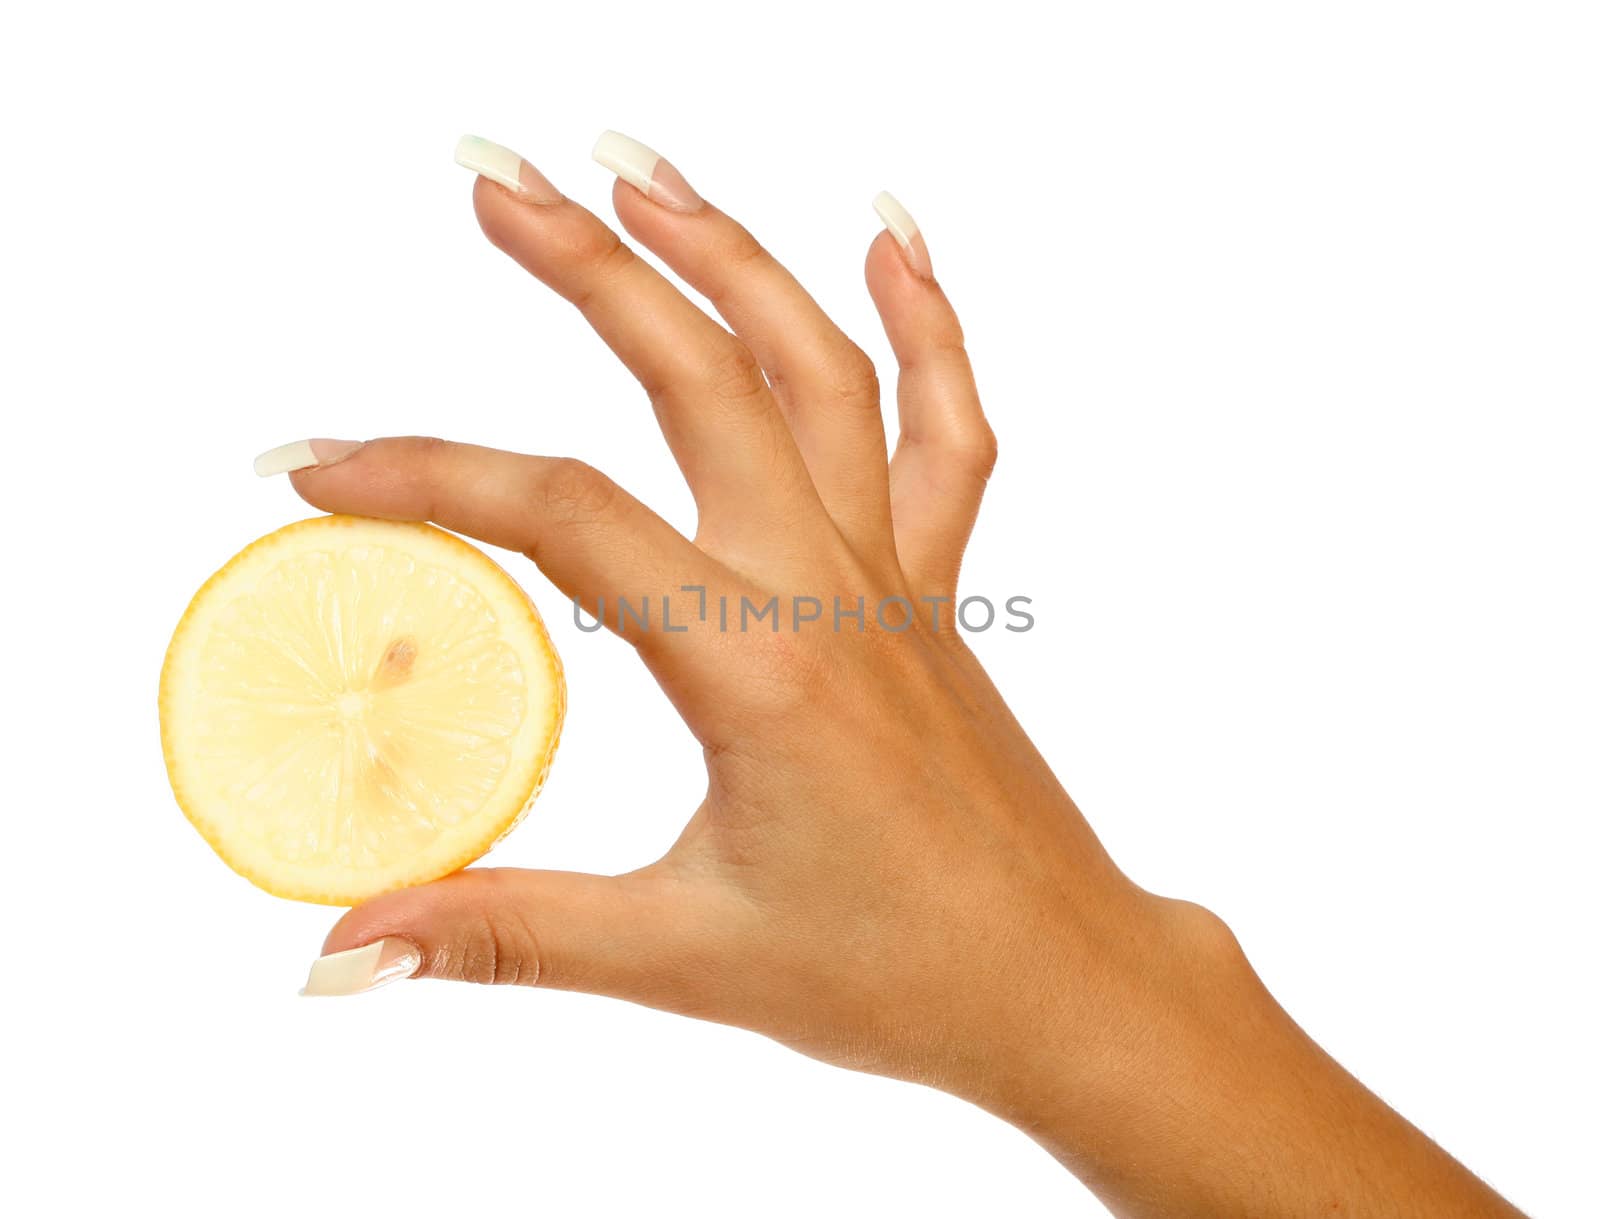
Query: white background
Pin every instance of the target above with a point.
(1286, 317)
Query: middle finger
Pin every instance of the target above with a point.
(713, 404)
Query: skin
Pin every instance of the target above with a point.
(884, 873)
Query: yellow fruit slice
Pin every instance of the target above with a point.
(351, 705)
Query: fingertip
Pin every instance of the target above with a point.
(484, 192)
(907, 235)
(496, 210)
(372, 920)
(300, 455)
(886, 267)
(894, 279)
(883, 254)
(659, 228)
(415, 914)
(324, 487)
(624, 195)
(915, 311)
(375, 478)
(640, 218)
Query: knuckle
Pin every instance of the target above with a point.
(983, 450)
(790, 673)
(420, 464)
(421, 450)
(742, 251)
(591, 243)
(574, 492)
(949, 341)
(734, 377)
(597, 256)
(852, 376)
(496, 947)
(487, 955)
(944, 355)
(610, 254)
(972, 448)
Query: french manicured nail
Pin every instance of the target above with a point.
(362, 969)
(303, 455)
(647, 171)
(500, 164)
(905, 232)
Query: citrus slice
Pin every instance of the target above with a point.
(351, 705)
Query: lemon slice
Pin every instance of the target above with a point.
(351, 705)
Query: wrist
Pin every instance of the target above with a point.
(1206, 1098)
(1139, 1041)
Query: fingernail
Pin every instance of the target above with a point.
(905, 232)
(647, 171)
(500, 164)
(362, 969)
(303, 454)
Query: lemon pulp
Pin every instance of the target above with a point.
(353, 705)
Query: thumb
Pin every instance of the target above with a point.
(645, 936)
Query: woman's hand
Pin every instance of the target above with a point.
(883, 872)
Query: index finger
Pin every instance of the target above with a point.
(588, 535)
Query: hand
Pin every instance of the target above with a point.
(883, 873)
